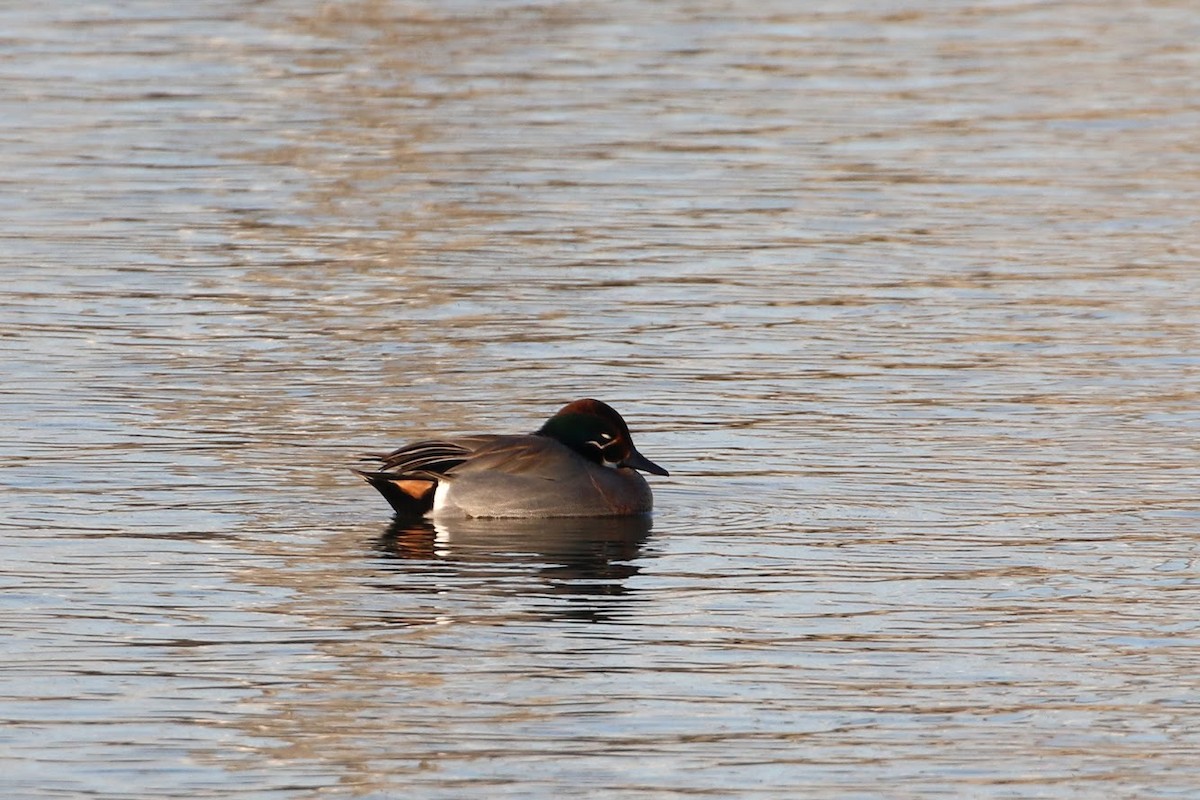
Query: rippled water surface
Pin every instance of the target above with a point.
(905, 296)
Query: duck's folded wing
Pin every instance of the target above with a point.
(525, 456)
(430, 458)
(408, 477)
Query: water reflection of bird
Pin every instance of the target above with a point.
(580, 463)
(586, 561)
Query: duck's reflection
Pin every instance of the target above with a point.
(585, 562)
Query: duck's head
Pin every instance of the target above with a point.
(596, 431)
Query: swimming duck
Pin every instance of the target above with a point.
(580, 463)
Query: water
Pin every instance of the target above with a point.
(905, 299)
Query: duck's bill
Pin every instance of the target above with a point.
(642, 464)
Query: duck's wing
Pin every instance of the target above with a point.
(408, 477)
(432, 458)
(525, 456)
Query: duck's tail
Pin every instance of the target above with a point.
(409, 495)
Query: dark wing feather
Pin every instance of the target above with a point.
(408, 477)
(429, 459)
(524, 456)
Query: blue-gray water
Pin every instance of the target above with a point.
(905, 297)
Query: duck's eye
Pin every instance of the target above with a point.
(602, 441)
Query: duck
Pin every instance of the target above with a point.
(580, 463)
